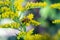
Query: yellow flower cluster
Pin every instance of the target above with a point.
(56, 5)
(35, 5)
(24, 34)
(9, 14)
(4, 2)
(29, 36)
(56, 21)
(27, 20)
(5, 9)
(1, 2)
(18, 5)
(21, 34)
(34, 37)
(30, 16)
(12, 25)
(35, 22)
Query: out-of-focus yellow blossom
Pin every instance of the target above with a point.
(1, 2)
(29, 19)
(35, 5)
(30, 32)
(24, 34)
(36, 37)
(19, 1)
(21, 34)
(13, 15)
(4, 2)
(18, 5)
(30, 16)
(15, 25)
(5, 25)
(44, 4)
(9, 14)
(33, 37)
(4, 9)
(56, 5)
(27, 24)
(20, 8)
(56, 21)
(4, 15)
(29, 36)
(27, 6)
(35, 22)
(12, 25)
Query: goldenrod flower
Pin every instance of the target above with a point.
(56, 5)
(12, 25)
(21, 34)
(35, 22)
(29, 36)
(6, 2)
(56, 21)
(26, 20)
(4, 15)
(35, 5)
(44, 4)
(29, 19)
(20, 8)
(1, 2)
(24, 34)
(30, 16)
(18, 5)
(15, 25)
(27, 24)
(19, 1)
(5, 9)
(9, 14)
